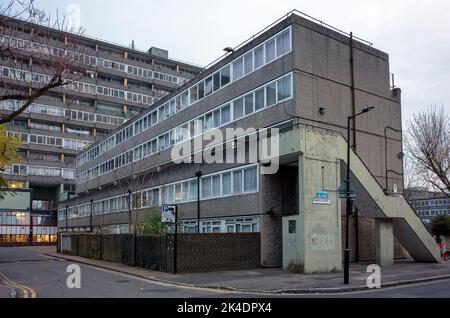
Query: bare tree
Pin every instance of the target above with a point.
(428, 145)
(49, 59)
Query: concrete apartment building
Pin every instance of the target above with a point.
(428, 204)
(303, 78)
(119, 82)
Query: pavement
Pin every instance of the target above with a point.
(275, 280)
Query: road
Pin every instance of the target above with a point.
(45, 277)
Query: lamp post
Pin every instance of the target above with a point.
(348, 195)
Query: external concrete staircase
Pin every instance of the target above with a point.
(371, 200)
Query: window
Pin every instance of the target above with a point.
(216, 186)
(216, 78)
(248, 63)
(283, 43)
(194, 94)
(284, 88)
(225, 76)
(208, 85)
(185, 99)
(216, 118)
(237, 181)
(206, 187)
(193, 189)
(226, 183)
(201, 90)
(271, 94)
(178, 192)
(248, 104)
(259, 99)
(270, 50)
(208, 121)
(238, 108)
(238, 69)
(250, 179)
(225, 114)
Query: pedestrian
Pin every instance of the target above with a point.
(443, 252)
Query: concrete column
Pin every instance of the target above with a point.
(312, 239)
(384, 232)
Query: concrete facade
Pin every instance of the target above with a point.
(57, 126)
(319, 68)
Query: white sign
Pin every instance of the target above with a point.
(168, 214)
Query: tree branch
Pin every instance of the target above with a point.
(55, 82)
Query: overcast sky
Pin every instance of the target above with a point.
(415, 33)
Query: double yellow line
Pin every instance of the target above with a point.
(26, 291)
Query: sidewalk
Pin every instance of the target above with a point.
(275, 280)
(5, 292)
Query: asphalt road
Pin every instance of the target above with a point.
(45, 277)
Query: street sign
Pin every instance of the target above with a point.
(321, 197)
(342, 191)
(168, 213)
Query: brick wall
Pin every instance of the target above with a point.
(217, 252)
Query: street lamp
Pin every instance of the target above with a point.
(348, 196)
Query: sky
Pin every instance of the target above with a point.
(415, 33)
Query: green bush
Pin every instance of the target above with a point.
(151, 222)
(440, 225)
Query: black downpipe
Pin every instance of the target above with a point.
(67, 219)
(352, 76)
(198, 175)
(387, 170)
(90, 216)
(356, 220)
(175, 242)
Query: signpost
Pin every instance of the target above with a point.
(169, 216)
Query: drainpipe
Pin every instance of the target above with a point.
(67, 208)
(129, 208)
(356, 220)
(90, 216)
(352, 77)
(198, 174)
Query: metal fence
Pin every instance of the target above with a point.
(192, 253)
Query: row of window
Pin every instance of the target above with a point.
(74, 144)
(266, 96)
(42, 205)
(86, 59)
(271, 49)
(14, 218)
(26, 76)
(72, 114)
(25, 170)
(235, 225)
(223, 184)
(434, 212)
(430, 202)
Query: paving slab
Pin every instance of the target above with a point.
(275, 280)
